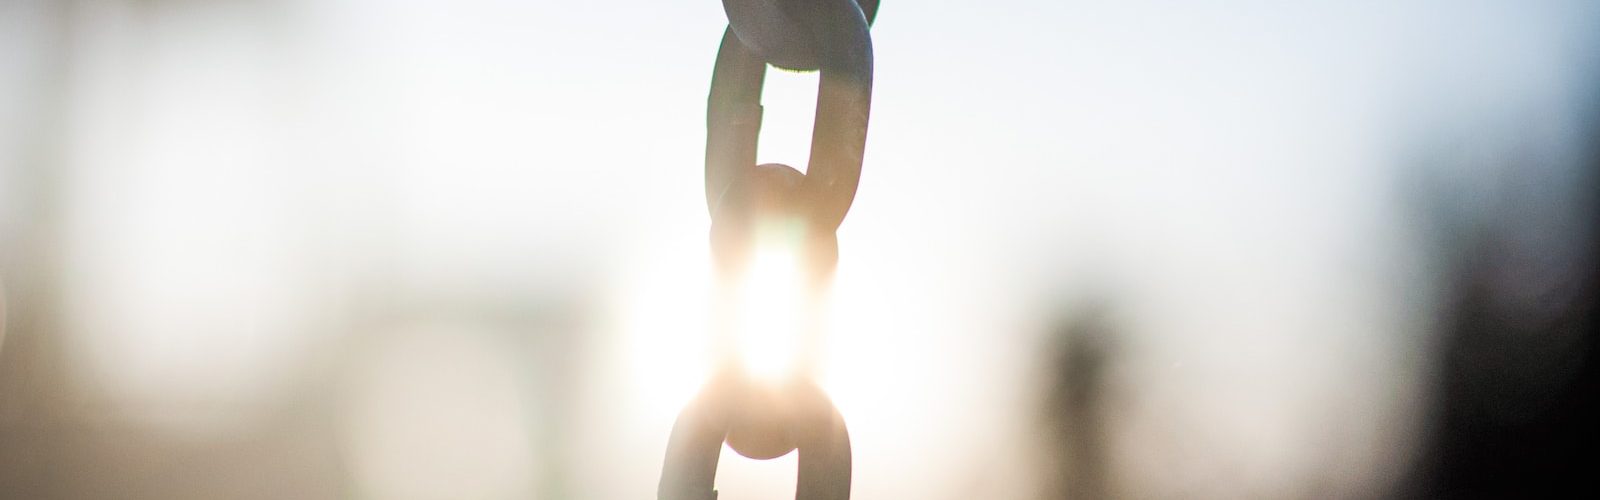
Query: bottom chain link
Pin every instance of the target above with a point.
(796, 416)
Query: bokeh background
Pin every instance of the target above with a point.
(457, 250)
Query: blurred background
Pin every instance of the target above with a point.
(457, 250)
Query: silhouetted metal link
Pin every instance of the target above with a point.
(811, 423)
(761, 421)
(838, 28)
(778, 30)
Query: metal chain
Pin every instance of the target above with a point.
(759, 421)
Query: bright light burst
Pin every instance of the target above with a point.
(771, 313)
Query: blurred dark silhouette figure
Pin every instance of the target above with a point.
(1514, 396)
(1515, 412)
(1074, 407)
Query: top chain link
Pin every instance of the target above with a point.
(779, 30)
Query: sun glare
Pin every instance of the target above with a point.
(666, 349)
(680, 326)
(771, 314)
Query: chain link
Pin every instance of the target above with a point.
(781, 30)
(765, 421)
(844, 100)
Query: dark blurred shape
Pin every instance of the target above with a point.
(1074, 407)
(1515, 389)
(1517, 413)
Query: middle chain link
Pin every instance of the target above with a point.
(834, 35)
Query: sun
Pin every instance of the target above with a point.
(770, 307)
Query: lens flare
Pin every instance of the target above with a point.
(771, 313)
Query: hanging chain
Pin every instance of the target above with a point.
(765, 421)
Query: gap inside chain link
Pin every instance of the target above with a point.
(789, 104)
